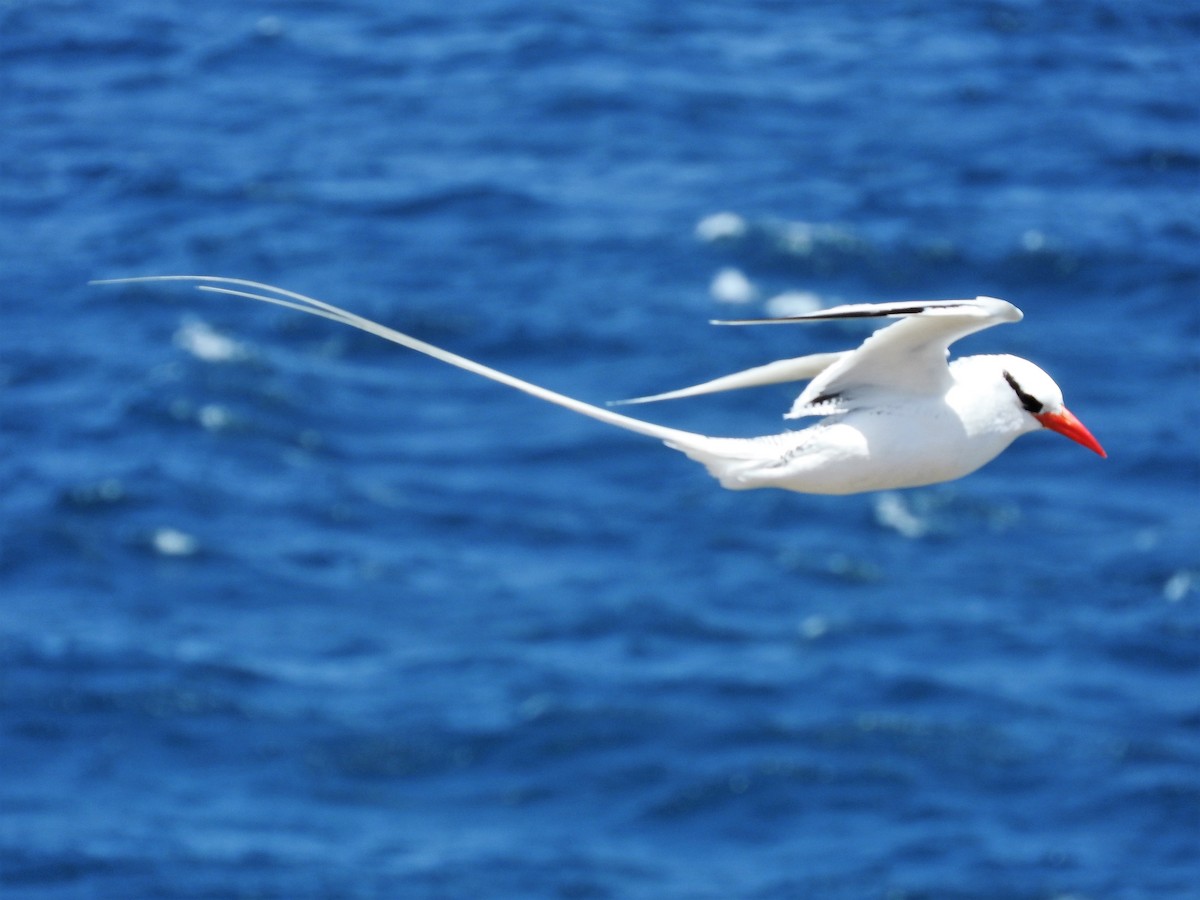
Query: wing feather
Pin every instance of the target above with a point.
(908, 356)
(981, 307)
(800, 368)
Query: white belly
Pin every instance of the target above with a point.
(866, 450)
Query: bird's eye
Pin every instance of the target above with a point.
(1030, 402)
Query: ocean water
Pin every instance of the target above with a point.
(290, 612)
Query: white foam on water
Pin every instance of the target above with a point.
(891, 511)
(172, 542)
(732, 286)
(793, 303)
(202, 341)
(1179, 586)
(214, 417)
(721, 226)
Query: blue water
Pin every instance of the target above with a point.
(289, 612)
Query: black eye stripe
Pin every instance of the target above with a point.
(1030, 402)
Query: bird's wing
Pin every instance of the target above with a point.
(801, 368)
(906, 357)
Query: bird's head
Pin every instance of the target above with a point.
(1038, 396)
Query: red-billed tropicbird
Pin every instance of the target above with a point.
(893, 413)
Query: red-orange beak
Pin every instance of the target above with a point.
(1064, 422)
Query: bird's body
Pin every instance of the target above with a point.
(893, 413)
(892, 441)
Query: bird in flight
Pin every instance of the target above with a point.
(891, 413)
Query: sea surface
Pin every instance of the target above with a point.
(289, 612)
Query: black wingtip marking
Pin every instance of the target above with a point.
(870, 314)
(915, 309)
(825, 398)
